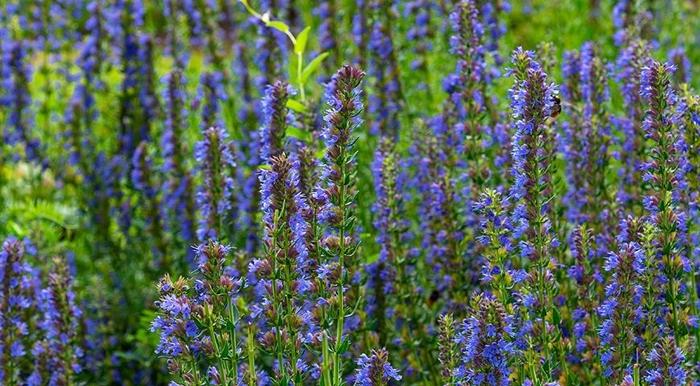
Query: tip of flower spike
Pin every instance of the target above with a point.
(349, 75)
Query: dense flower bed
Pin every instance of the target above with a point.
(285, 192)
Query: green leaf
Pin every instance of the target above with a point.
(292, 68)
(344, 346)
(51, 212)
(313, 66)
(296, 106)
(302, 38)
(16, 229)
(278, 25)
(372, 258)
(295, 132)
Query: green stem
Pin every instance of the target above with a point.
(278, 334)
(326, 365)
(234, 339)
(252, 376)
(300, 67)
(341, 263)
(222, 364)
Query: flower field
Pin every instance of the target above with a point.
(349, 192)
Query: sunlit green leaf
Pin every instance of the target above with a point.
(278, 25)
(302, 39)
(295, 132)
(312, 67)
(296, 106)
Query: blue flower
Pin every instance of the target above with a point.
(375, 369)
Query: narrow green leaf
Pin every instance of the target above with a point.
(16, 229)
(372, 258)
(296, 106)
(312, 67)
(292, 68)
(295, 132)
(250, 9)
(302, 38)
(278, 25)
(344, 346)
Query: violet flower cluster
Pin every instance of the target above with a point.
(39, 319)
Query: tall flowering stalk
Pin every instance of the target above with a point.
(632, 20)
(249, 149)
(486, 345)
(91, 60)
(51, 23)
(81, 113)
(451, 168)
(225, 21)
(282, 273)
(16, 82)
(421, 34)
(342, 118)
(679, 58)
(212, 50)
(143, 180)
(174, 46)
(691, 203)
(198, 321)
(534, 101)
(375, 370)
(147, 91)
(586, 138)
(393, 285)
(667, 362)
(58, 353)
(468, 91)
(211, 95)
(247, 114)
(38, 324)
(268, 50)
(360, 31)
(178, 206)
(629, 66)
(436, 155)
(132, 114)
(382, 273)
(664, 173)
(448, 352)
(327, 12)
(469, 77)
(500, 274)
(385, 103)
(490, 340)
(494, 27)
(276, 118)
(621, 310)
(586, 274)
(215, 195)
(258, 147)
(195, 24)
(17, 301)
(75, 138)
